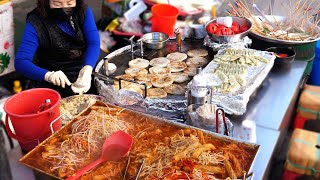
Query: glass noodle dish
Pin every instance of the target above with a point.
(299, 25)
(169, 151)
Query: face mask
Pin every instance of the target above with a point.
(62, 14)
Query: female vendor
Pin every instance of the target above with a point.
(60, 46)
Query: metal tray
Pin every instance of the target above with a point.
(280, 41)
(236, 102)
(32, 158)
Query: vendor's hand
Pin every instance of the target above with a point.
(83, 83)
(57, 78)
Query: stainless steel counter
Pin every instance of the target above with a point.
(272, 107)
(267, 139)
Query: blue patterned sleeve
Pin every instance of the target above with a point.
(92, 38)
(24, 58)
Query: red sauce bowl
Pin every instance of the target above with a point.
(285, 55)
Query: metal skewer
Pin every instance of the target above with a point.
(110, 78)
(138, 174)
(261, 13)
(125, 172)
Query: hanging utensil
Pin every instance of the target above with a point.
(114, 148)
(226, 130)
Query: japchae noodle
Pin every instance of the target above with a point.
(69, 152)
(168, 151)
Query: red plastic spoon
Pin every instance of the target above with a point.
(115, 147)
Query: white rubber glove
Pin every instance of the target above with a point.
(83, 83)
(57, 78)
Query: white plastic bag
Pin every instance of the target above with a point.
(106, 41)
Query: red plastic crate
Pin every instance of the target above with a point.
(288, 175)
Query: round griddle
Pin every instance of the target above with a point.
(122, 56)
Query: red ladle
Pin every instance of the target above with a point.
(115, 147)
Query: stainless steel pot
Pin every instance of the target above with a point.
(155, 40)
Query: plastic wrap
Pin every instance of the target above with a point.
(245, 42)
(168, 108)
(236, 102)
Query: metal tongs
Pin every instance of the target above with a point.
(44, 106)
(246, 176)
(108, 78)
(226, 130)
(139, 171)
(127, 167)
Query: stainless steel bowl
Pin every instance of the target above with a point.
(231, 38)
(155, 40)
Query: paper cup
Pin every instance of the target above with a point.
(248, 131)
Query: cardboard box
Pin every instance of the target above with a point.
(303, 154)
(6, 37)
(6, 19)
(6, 55)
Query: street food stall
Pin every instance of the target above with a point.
(210, 108)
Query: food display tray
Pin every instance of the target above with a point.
(34, 158)
(276, 19)
(171, 107)
(236, 102)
